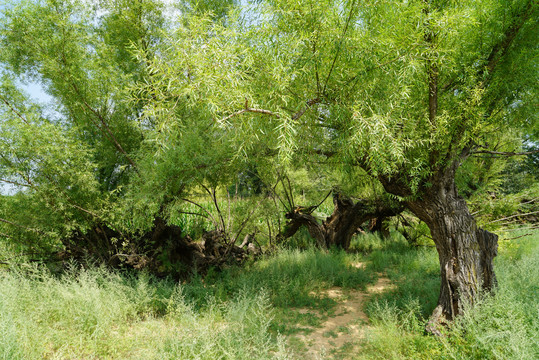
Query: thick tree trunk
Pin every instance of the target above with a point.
(342, 224)
(348, 216)
(300, 217)
(380, 226)
(465, 251)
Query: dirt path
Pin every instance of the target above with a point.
(348, 325)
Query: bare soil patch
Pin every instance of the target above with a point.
(344, 329)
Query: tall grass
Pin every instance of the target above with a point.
(237, 313)
(291, 278)
(503, 325)
(95, 314)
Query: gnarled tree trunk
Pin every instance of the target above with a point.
(465, 251)
(342, 224)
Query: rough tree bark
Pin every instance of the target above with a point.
(465, 251)
(342, 224)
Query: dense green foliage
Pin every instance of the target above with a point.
(152, 101)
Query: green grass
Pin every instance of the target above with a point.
(249, 313)
(292, 278)
(98, 314)
(415, 271)
(504, 325)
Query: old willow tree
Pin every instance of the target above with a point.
(71, 158)
(406, 90)
(150, 99)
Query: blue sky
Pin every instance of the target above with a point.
(35, 90)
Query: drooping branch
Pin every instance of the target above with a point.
(248, 217)
(104, 127)
(213, 195)
(432, 69)
(339, 47)
(249, 110)
(500, 49)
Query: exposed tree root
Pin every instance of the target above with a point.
(163, 250)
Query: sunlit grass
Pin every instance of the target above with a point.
(504, 325)
(244, 313)
(100, 314)
(230, 314)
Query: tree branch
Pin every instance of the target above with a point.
(501, 48)
(345, 30)
(505, 153)
(14, 110)
(303, 110)
(22, 226)
(247, 109)
(513, 216)
(15, 183)
(432, 70)
(104, 126)
(210, 216)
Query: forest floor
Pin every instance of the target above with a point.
(348, 320)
